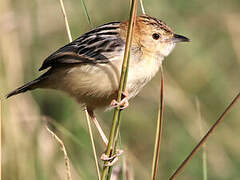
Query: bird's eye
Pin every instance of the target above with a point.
(155, 36)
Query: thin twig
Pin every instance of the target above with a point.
(158, 137)
(142, 7)
(122, 85)
(68, 170)
(93, 145)
(66, 20)
(204, 139)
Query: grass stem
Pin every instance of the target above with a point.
(68, 170)
(142, 7)
(204, 162)
(66, 20)
(204, 152)
(204, 139)
(93, 145)
(86, 12)
(0, 133)
(158, 136)
(122, 86)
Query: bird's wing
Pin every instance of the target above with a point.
(93, 47)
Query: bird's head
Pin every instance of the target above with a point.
(155, 36)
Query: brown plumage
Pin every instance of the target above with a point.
(89, 67)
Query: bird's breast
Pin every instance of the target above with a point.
(141, 72)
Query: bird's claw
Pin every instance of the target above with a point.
(123, 103)
(112, 159)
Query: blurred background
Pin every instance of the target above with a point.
(204, 72)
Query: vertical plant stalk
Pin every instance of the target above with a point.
(204, 161)
(66, 20)
(123, 163)
(86, 12)
(85, 109)
(158, 137)
(68, 170)
(93, 145)
(122, 86)
(204, 152)
(204, 139)
(0, 134)
(142, 7)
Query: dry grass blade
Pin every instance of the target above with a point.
(68, 170)
(142, 7)
(0, 134)
(122, 85)
(66, 20)
(93, 145)
(204, 139)
(158, 136)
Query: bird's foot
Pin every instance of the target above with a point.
(123, 103)
(112, 159)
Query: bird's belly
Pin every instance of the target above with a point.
(93, 85)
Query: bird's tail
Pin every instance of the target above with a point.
(28, 86)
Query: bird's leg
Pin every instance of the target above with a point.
(93, 117)
(123, 103)
(113, 159)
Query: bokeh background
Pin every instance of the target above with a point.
(204, 72)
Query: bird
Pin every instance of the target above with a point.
(89, 67)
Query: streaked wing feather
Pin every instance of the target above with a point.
(90, 48)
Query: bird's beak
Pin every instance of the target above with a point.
(179, 38)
